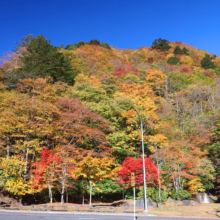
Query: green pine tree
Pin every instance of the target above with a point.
(94, 42)
(207, 63)
(106, 45)
(161, 44)
(185, 51)
(177, 50)
(42, 59)
(24, 42)
(173, 60)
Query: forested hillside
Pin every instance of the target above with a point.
(69, 120)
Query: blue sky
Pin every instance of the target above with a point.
(121, 23)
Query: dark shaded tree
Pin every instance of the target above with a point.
(24, 42)
(161, 44)
(177, 50)
(42, 59)
(207, 63)
(94, 42)
(185, 51)
(180, 51)
(173, 60)
(106, 45)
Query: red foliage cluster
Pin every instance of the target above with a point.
(131, 165)
(125, 68)
(209, 74)
(150, 60)
(175, 43)
(162, 57)
(87, 127)
(1, 72)
(178, 56)
(170, 68)
(184, 68)
(39, 168)
(95, 46)
(142, 48)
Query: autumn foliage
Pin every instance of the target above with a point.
(68, 126)
(131, 165)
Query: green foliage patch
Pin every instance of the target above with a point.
(161, 44)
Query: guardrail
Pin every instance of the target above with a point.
(64, 208)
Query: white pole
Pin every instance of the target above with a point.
(134, 202)
(145, 190)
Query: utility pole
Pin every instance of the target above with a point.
(145, 191)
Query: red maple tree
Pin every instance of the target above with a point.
(131, 165)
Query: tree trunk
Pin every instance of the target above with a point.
(50, 194)
(90, 196)
(62, 193)
(158, 171)
(20, 199)
(26, 163)
(158, 175)
(8, 149)
(66, 196)
(83, 199)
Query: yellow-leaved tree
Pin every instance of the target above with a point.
(26, 118)
(94, 169)
(142, 97)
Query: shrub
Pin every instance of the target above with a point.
(74, 46)
(91, 42)
(173, 60)
(180, 194)
(150, 192)
(164, 196)
(105, 45)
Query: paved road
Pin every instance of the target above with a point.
(27, 216)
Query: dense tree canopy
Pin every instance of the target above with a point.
(68, 124)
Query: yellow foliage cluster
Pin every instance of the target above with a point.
(155, 78)
(159, 139)
(169, 55)
(95, 169)
(18, 186)
(187, 60)
(12, 166)
(194, 185)
(141, 95)
(92, 81)
(81, 78)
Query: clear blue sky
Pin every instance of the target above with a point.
(121, 23)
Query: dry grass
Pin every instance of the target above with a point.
(171, 209)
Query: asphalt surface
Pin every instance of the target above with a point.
(39, 216)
